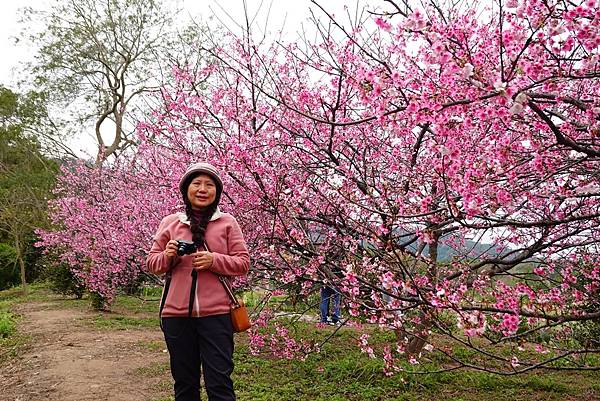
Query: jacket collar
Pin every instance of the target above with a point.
(183, 217)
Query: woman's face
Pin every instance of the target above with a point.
(202, 191)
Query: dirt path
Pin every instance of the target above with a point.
(71, 361)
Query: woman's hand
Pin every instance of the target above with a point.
(202, 260)
(171, 249)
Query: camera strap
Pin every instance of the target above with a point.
(166, 291)
(163, 300)
(192, 291)
(193, 286)
(164, 296)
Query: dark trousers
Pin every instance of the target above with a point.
(200, 344)
(330, 294)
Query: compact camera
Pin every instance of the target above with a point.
(185, 247)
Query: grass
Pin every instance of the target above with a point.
(112, 321)
(8, 324)
(153, 369)
(342, 372)
(339, 372)
(133, 305)
(13, 346)
(152, 345)
(12, 343)
(130, 312)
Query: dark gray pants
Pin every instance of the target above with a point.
(200, 344)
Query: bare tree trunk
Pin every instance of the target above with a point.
(419, 337)
(416, 344)
(21, 264)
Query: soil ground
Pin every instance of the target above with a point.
(68, 360)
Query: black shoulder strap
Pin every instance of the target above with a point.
(192, 291)
(164, 296)
(166, 291)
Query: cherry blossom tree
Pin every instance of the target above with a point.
(355, 158)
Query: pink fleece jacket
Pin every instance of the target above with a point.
(231, 258)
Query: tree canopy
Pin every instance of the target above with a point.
(26, 179)
(98, 60)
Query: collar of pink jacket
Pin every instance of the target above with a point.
(183, 217)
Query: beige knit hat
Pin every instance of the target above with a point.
(200, 168)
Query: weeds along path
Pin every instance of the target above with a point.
(68, 359)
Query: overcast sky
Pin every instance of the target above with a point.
(287, 14)
(291, 13)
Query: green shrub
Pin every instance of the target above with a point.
(587, 333)
(151, 291)
(62, 280)
(98, 302)
(136, 286)
(9, 272)
(7, 324)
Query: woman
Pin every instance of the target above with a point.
(195, 306)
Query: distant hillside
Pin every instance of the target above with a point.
(471, 249)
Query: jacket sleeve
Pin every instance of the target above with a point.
(237, 260)
(157, 262)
